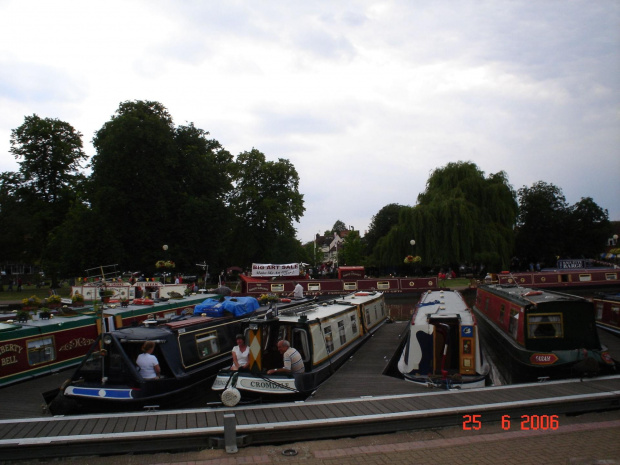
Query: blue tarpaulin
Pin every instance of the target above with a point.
(236, 306)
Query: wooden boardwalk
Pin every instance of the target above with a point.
(372, 404)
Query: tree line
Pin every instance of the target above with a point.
(152, 183)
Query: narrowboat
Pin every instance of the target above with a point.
(541, 334)
(607, 308)
(44, 345)
(190, 350)
(325, 334)
(443, 348)
(270, 278)
(47, 342)
(562, 278)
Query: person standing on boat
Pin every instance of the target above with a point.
(293, 363)
(298, 293)
(147, 362)
(240, 354)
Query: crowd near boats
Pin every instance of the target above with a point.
(540, 333)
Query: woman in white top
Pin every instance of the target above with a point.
(240, 354)
(147, 362)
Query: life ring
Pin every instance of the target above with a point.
(231, 397)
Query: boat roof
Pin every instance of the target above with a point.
(442, 304)
(531, 295)
(328, 308)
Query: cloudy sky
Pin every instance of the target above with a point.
(365, 98)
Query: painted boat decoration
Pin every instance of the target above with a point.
(443, 348)
(190, 350)
(542, 334)
(607, 307)
(325, 334)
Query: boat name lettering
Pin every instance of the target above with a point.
(543, 359)
(263, 384)
(11, 348)
(9, 360)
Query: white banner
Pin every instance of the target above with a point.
(266, 269)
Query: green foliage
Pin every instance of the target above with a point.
(265, 202)
(353, 251)
(459, 218)
(381, 224)
(548, 228)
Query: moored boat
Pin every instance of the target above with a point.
(607, 308)
(190, 350)
(41, 346)
(443, 349)
(542, 334)
(562, 278)
(325, 335)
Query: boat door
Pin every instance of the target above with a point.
(262, 338)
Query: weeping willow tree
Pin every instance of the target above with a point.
(461, 217)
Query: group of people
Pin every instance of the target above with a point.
(149, 368)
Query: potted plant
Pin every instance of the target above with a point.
(77, 299)
(23, 316)
(31, 303)
(53, 301)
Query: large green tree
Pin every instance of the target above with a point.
(152, 185)
(461, 217)
(381, 223)
(549, 228)
(543, 214)
(266, 201)
(35, 200)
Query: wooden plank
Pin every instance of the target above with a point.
(131, 425)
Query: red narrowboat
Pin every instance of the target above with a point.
(541, 333)
(607, 307)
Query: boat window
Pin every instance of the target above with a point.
(599, 311)
(300, 342)
(354, 324)
(277, 288)
(544, 326)
(342, 332)
(367, 317)
(314, 287)
(513, 326)
(350, 286)
(585, 277)
(41, 350)
(383, 284)
(283, 333)
(207, 345)
(502, 310)
(615, 311)
(611, 276)
(329, 342)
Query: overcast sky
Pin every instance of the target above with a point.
(365, 98)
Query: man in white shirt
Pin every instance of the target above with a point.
(298, 293)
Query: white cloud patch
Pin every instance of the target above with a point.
(364, 101)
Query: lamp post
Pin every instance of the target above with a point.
(165, 249)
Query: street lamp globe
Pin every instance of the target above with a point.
(412, 241)
(165, 247)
